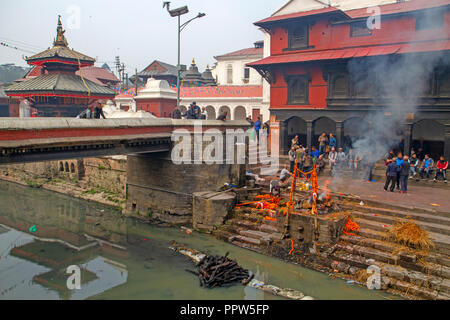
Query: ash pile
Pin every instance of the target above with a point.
(220, 271)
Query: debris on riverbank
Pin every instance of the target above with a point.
(288, 293)
(217, 271)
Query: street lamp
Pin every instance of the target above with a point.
(178, 13)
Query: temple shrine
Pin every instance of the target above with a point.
(60, 90)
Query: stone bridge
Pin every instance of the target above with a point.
(157, 187)
(43, 139)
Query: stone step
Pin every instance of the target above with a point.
(398, 280)
(224, 235)
(416, 277)
(441, 228)
(378, 205)
(249, 240)
(406, 261)
(442, 242)
(260, 235)
(256, 220)
(440, 218)
(254, 225)
(432, 257)
(406, 288)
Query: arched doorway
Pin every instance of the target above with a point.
(211, 113)
(320, 126)
(354, 129)
(240, 113)
(227, 110)
(296, 126)
(428, 135)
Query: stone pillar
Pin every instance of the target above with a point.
(210, 209)
(339, 134)
(309, 133)
(284, 143)
(407, 134)
(447, 143)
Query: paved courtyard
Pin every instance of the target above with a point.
(417, 196)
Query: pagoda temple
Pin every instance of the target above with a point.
(60, 91)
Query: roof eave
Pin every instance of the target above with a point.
(58, 93)
(265, 24)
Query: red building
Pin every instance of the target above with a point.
(331, 71)
(59, 88)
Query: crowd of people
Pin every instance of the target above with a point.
(400, 168)
(195, 113)
(337, 159)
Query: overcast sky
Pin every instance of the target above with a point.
(139, 31)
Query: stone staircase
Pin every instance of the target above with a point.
(403, 271)
(249, 231)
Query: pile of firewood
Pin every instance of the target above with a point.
(217, 271)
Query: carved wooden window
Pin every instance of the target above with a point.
(362, 86)
(339, 85)
(360, 29)
(298, 87)
(298, 37)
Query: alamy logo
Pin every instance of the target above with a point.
(374, 280)
(74, 17)
(213, 146)
(74, 281)
(374, 21)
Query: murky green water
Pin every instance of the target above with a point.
(133, 260)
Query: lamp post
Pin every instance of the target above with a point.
(178, 13)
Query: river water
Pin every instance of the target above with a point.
(42, 233)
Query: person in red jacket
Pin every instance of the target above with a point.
(441, 168)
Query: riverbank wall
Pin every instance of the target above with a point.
(101, 180)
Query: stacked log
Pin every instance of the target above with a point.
(219, 271)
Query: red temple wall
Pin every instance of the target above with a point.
(161, 108)
(317, 87)
(323, 36)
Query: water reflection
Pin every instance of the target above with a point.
(124, 258)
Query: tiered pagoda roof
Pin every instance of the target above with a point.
(58, 78)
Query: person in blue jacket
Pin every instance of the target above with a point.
(314, 153)
(332, 141)
(258, 127)
(399, 163)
